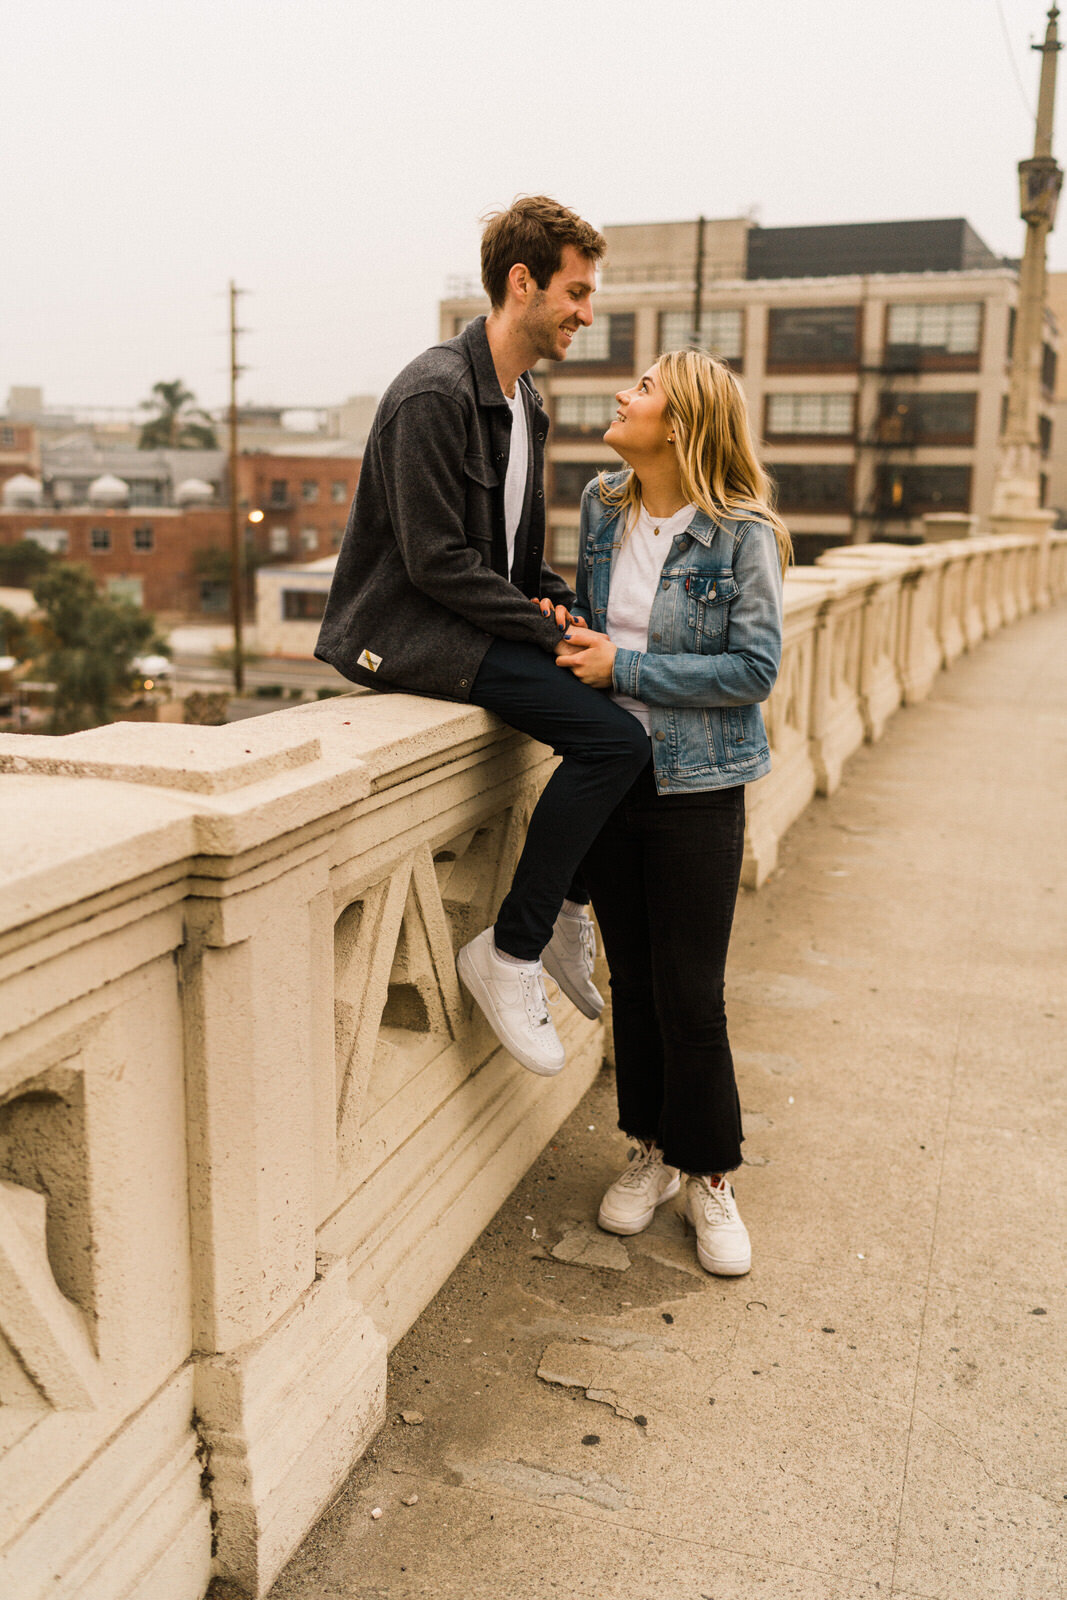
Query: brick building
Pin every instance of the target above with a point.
(168, 554)
(20, 451)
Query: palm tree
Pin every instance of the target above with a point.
(176, 425)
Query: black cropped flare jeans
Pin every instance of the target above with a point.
(664, 873)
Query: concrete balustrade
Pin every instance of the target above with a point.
(248, 1122)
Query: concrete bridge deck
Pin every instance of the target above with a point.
(877, 1410)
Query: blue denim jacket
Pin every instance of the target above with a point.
(714, 643)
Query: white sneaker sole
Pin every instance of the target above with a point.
(716, 1265)
(482, 996)
(576, 998)
(612, 1224)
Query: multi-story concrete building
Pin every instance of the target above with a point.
(874, 357)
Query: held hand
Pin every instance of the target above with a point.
(590, 656)
(563, 617)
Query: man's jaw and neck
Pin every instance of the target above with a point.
(535, 324)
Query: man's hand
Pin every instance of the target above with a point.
(590, 656)
(562, 615)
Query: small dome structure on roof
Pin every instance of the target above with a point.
(107, 490)
(194, 491)
(22, 491)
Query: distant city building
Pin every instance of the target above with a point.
(874, 357)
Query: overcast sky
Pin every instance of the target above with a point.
(334, 156)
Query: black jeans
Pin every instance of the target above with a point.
(664, 874)
(602, 748)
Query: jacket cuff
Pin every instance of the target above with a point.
(624, 672)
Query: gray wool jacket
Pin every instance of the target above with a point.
(420, 590)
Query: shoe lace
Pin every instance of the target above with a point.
(535, 997)
(588, 941)
(638, 1170)
(717, 1203)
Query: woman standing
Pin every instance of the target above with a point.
(680, 617)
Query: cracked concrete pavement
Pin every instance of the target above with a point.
(877, 1410)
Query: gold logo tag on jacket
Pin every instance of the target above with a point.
(368, 659)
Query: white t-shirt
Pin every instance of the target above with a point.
(518, 466)
(635, 577)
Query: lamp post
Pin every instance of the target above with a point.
(1016, 489)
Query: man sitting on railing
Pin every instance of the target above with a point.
(442, 556)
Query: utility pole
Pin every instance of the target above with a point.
(237, 552)
(1017, 487)
(698, 289)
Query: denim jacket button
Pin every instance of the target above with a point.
(656, 638)
(666, 583)
(660, 734)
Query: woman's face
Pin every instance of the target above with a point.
(641, 425)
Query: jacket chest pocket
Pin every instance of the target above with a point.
(481, 481)
(708, 598)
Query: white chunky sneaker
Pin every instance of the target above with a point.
(723, 1245)
(630, 1204)
(569, 957)
(513, 1001)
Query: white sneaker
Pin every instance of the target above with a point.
(630, 1203)
(723, 1245)
(569, 957)
(513, 1001)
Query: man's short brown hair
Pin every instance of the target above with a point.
(534, 230)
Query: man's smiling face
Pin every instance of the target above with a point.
(554, 314)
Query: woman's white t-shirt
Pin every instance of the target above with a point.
(635, 577)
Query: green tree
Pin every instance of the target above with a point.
(177, 425)
(22, 563)
(86, 645)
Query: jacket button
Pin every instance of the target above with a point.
(660, 734)
(655, 638)
(540, 494)
(463, 683)
(666, 583)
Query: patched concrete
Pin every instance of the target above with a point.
(876, 1411)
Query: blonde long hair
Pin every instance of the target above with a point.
(717, 460)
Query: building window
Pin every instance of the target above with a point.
(909, 491)
(810, 416)
(946, 335)
(1048, 368)
(571, 477)
(339, 492)
(146, 492)
(279, 541)
(721, 332)
(303, 605)
(214, 596)
(309, 538)
(122, 588)
(945, 419)
(809, 486)
(1044, 433)
(584, 413)
(7, 438)
(806, 338)
(99, 538)
(55, 540)
(279, 491)
(565, 545)
(608, 342)
(309, 491)
(144, 538)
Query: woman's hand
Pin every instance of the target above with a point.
(563, 617)
(590, 656)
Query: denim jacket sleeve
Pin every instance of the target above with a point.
(423, 448)
(582, 607)
(745, 671)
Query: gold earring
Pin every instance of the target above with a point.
(670, 438)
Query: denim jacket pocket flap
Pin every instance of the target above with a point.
(478, 468)
(712, 587)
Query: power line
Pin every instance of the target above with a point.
(1031, 113)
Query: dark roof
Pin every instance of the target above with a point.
(942, 244)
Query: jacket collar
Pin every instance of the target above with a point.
(475, 342)
(702, 528)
